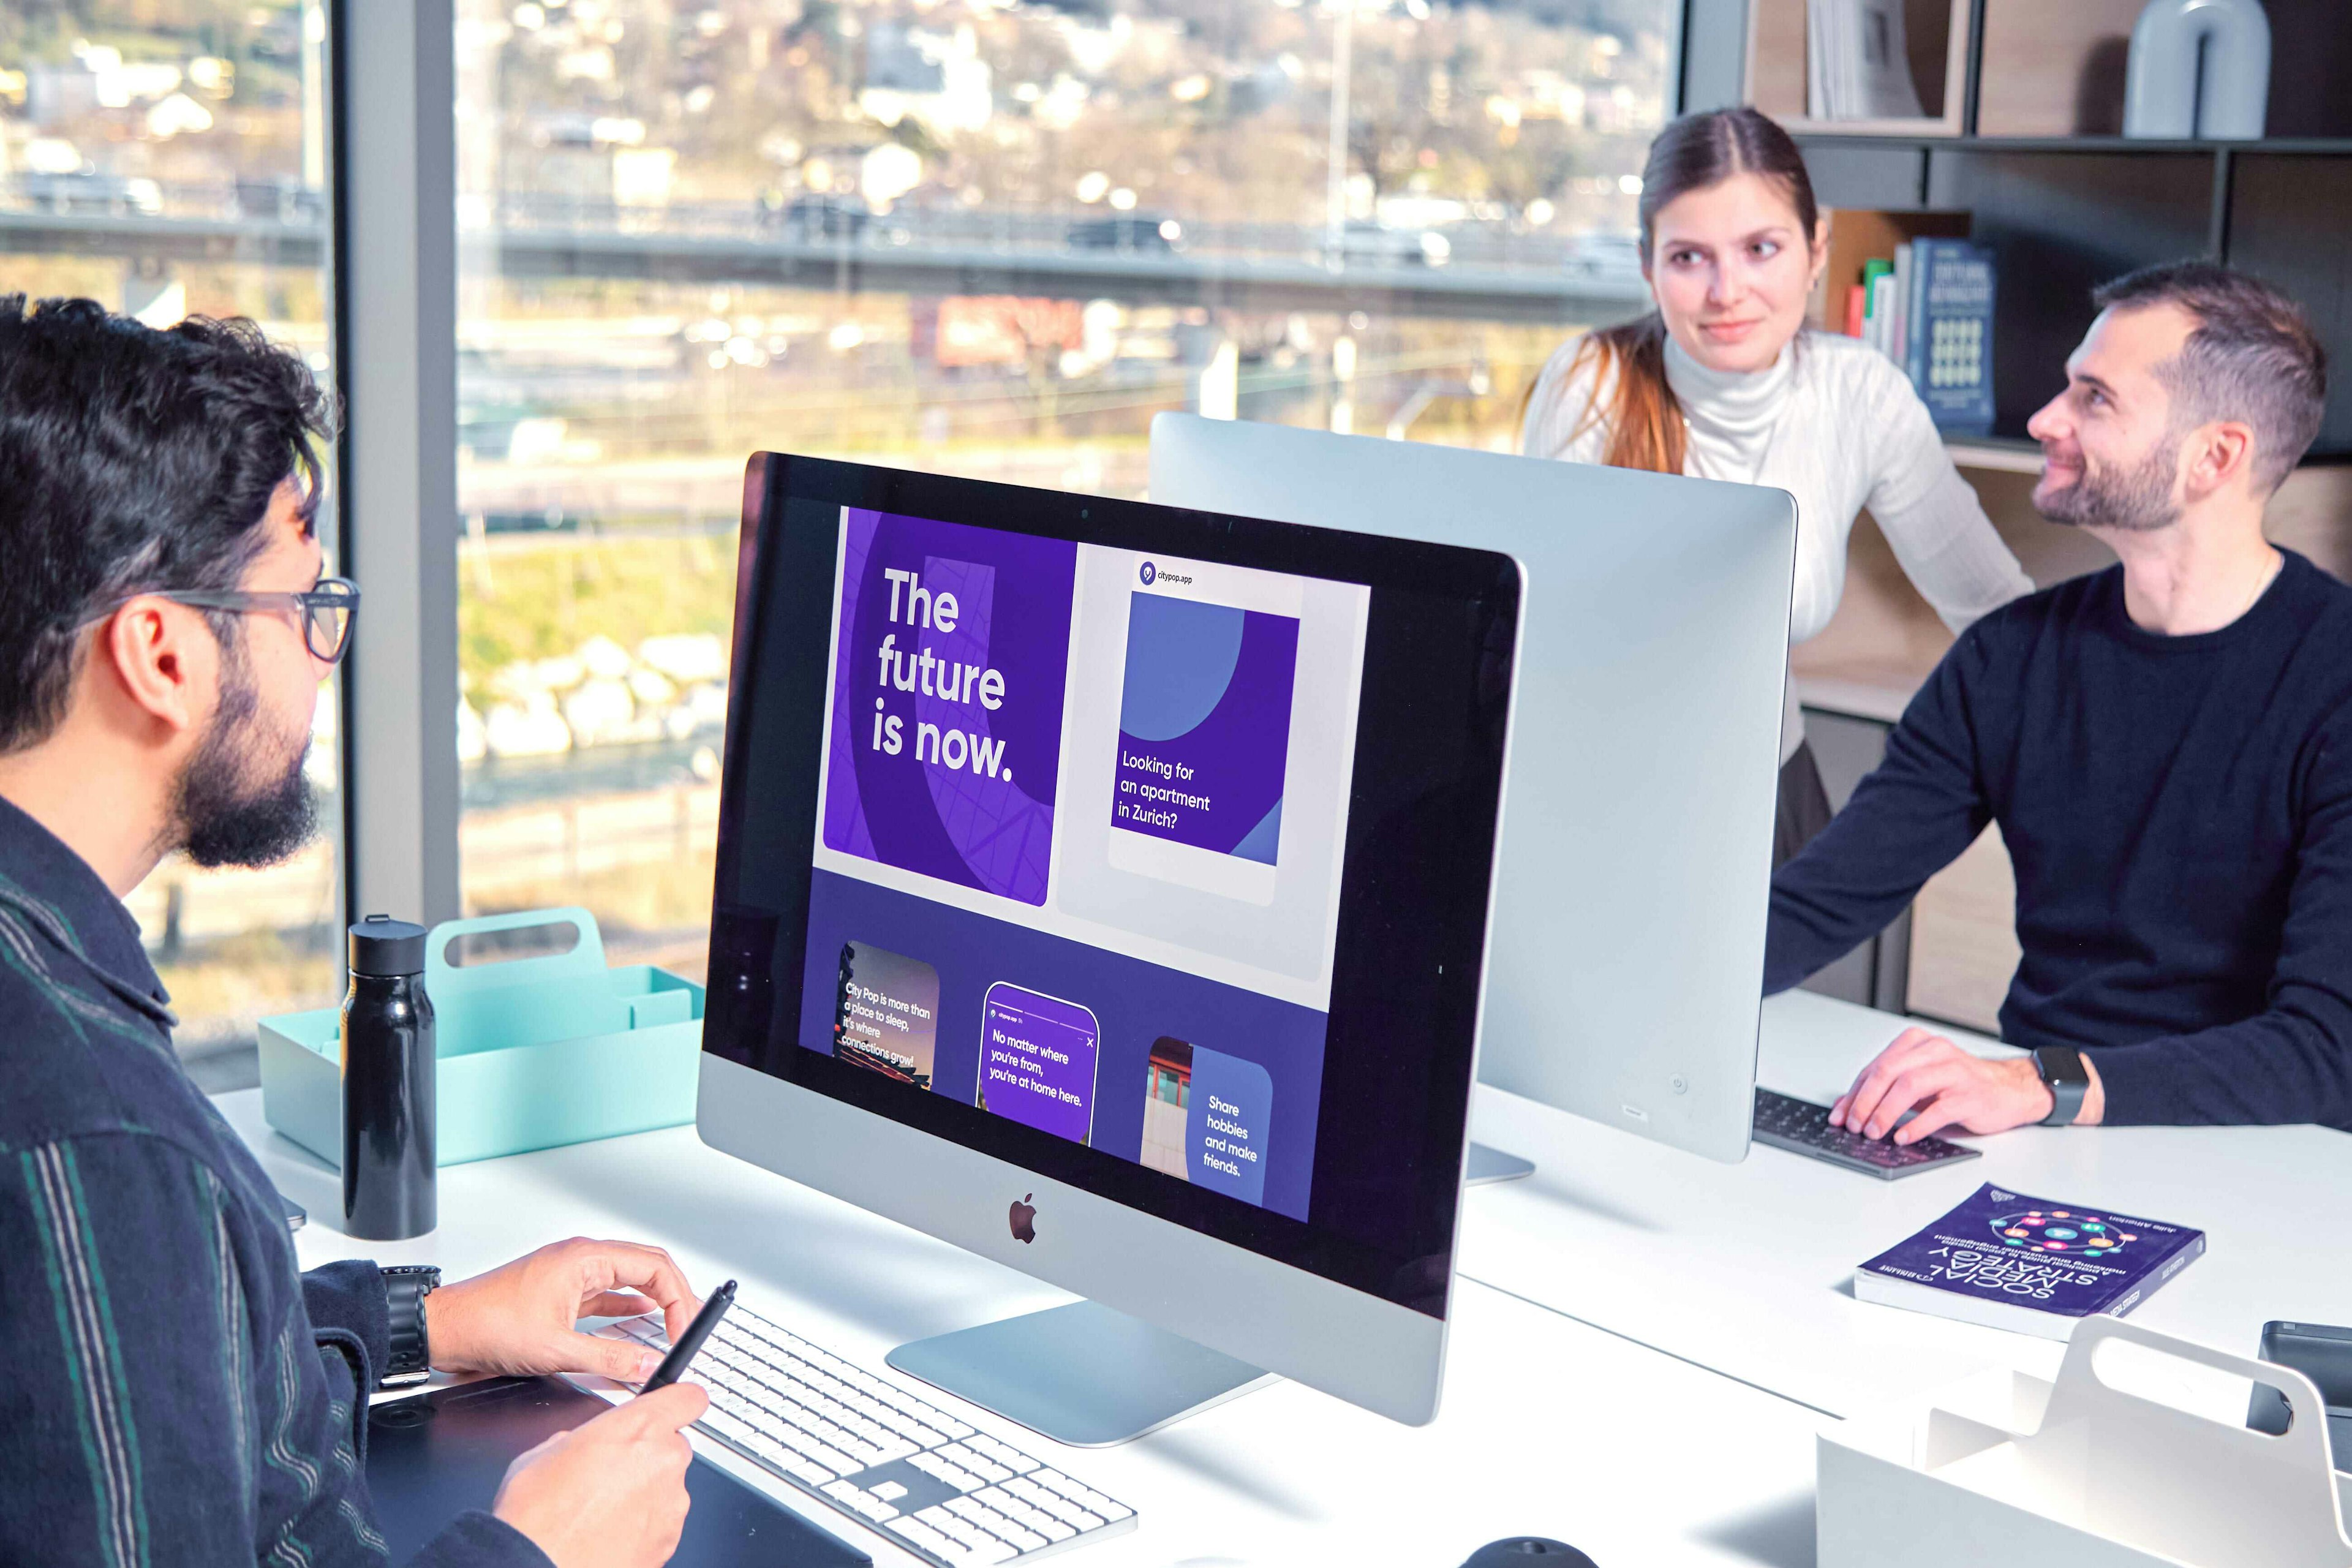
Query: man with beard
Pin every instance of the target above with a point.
(2167, 746)
(176, 1392)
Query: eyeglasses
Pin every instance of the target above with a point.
(327, 610)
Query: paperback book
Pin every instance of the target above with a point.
(2010, 1261)
(1945, 322)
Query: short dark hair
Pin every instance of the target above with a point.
(135, 461)
(2253, 357)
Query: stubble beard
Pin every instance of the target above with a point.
(2134, 499)
(223, 816)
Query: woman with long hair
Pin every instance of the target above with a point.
(1724, 382)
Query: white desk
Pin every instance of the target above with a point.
(1746, 1269)
(1548, 1426)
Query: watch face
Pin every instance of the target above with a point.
(2061, 1064)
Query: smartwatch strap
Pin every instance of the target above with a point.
(405, 1286)
(2068, 1081)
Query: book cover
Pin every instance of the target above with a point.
(1882, 314)
(1898, 318)
(2011, 1261)
(1949, 353)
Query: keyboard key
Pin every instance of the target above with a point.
(1022, 1540)
(831, 1458)
(955, 1527)
(967, 1454)
(922, 1535)
(1029, 1517)
(807, 1471)
(864, 1502)
(1004, 1454)
(1084, 1497)
(727, 1426)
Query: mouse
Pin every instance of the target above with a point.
(1528, 1551)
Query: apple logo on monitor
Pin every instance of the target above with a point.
(1024, 1219)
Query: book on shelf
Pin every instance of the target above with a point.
(1882, 312)
(1858, 62)
(1947, 341)
(2029, 1265)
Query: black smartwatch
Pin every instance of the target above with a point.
(405, 1286)
(2066, 1078)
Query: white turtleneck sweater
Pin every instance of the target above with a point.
(1834, 423)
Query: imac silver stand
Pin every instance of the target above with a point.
(1488, 1165)
(1081, 1374)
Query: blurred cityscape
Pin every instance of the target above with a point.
(986, 236)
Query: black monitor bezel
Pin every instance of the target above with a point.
(1416, 1270)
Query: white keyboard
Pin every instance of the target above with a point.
(948, 1493)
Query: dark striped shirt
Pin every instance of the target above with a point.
(176, 1392)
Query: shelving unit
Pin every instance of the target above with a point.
(1995, 457)
(2063, 213)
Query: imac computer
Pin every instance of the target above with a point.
(1628, 955)
(1104, 888)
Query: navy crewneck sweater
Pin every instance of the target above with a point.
(2179, 812)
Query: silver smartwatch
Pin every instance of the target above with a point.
(2066, 1078)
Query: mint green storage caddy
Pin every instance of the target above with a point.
(532, 1052)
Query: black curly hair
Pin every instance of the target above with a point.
(134, 460)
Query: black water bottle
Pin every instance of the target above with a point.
(387, 1037)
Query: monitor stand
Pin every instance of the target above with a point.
(1488, 1165)
(1081, 1374)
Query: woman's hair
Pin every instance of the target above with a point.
(1697, 151)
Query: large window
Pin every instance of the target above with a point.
(987, 236)
(166, 159)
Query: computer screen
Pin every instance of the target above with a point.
(1631, 906)
(1023, 730)
(1147, 850)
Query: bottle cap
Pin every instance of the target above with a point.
(382, 945)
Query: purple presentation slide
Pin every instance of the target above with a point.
(946, 700)
(1037, 1060)
(1205, 725)
(1105, 1013)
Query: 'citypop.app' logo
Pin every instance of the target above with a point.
(1149, 573)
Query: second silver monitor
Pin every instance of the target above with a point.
(1627, 958)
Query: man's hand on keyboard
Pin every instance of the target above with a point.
(610, 1493)
(1947, 1087)
(518, 1320)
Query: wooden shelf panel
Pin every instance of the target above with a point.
(1813, 135)
(1993, 455)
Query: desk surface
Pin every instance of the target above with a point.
(1746, 1269)
(1548, 1426)
(1612, 1307)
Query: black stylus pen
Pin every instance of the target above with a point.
(674, 1365)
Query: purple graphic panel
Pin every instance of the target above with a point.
(1205, 725)
(1132, 1003)
(948, 700)
(1225, 1125)
(1037, 1058)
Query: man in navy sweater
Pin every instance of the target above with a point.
(2167, 746)
(175, 1391)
